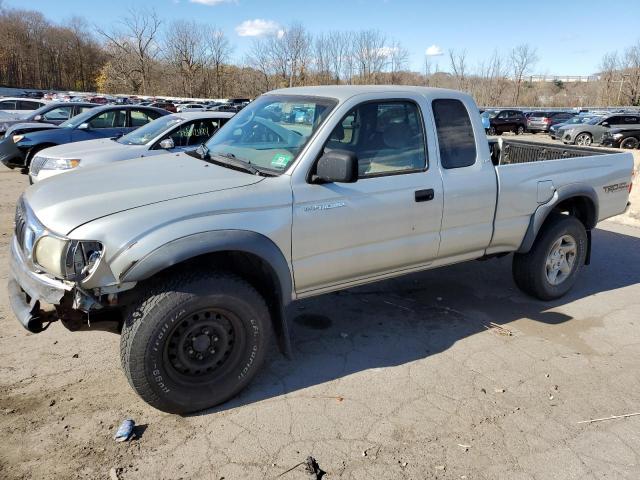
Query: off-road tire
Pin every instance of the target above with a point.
(152, 325)
(529, 269)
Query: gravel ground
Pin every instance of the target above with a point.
(447, 374)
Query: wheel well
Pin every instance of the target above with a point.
(255, 270)
(580, 207)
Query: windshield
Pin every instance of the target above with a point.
(490, 113)
(151, 130)
(271, 131)
(594, 120)
(80, 119)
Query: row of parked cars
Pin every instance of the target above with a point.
(618, 129)
(63, 136)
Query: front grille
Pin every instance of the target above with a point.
(20, 223)
(36, 165)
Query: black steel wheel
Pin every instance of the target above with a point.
(194, 340)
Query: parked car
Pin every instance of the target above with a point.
(194, 257)
(17, 150)
(542, 121)
(593, 130)
(622, 138)
(172, 133)
(17, 106)
(553, 129)
(501, 121)
(168, 106)
(190, 107)
(52, 113)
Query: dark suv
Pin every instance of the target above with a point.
(542, 121)
(622, 138)
(501, 121)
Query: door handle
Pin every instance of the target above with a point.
(424, 195)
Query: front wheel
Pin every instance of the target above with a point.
(584, 139)
(551, 267)
(194, 340)
(491, 131)
(519, 130)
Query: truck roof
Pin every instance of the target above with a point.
(343, 92)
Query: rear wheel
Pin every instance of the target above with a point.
(630, 143)
(584, 139)
(194, 340)
(551, 267)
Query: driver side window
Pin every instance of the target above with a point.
(386, 137)
(109, 119)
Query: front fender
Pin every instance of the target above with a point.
(190, 246)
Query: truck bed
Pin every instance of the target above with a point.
(505, 152)
(530, 174)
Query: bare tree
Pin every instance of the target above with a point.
(185, 49)
(135, 40)
(523, 58)
(398, 58)
(219, 51)
(259, 59)
(458, 64)
(370, 54)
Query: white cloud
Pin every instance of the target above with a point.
(211, 3)
(434, 51)
(258, 28)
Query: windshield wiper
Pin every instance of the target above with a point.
(228, 160)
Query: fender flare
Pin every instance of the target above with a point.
(190, 246)
(542, 212)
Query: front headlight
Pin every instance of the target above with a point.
(60, 163)
(17, 138)
(617, 135)
(69, 259)
(50, 253)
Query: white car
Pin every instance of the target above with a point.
(191, 107)
(16, 106)
(172, 133)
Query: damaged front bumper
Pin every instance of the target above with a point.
(28, 289)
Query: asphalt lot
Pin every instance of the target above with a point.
(446, 374)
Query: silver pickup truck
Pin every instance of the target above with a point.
(194, 257)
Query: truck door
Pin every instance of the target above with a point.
(469, 179)
(388, 220)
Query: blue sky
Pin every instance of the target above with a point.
(571, 36)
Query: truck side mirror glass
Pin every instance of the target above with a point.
(337, 166)
(167, 144)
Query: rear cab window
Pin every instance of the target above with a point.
(456, 140)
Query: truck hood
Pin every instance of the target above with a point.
(81, 149)
(64, 202)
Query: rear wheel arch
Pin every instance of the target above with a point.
(249, 255)
(580, 201)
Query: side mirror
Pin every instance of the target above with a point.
(605, 124)
(167, 144)
(37, 118)
(83, 126)
(337, 166)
